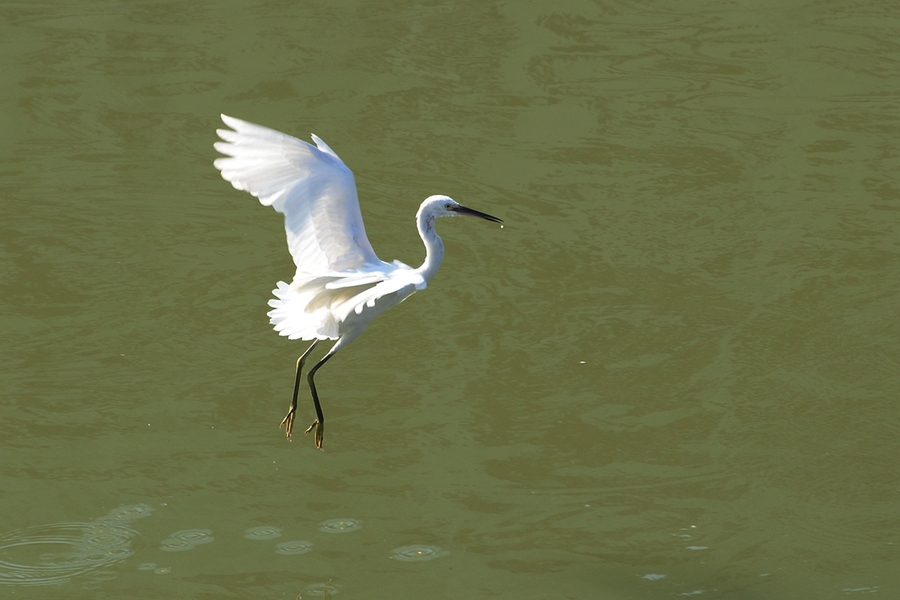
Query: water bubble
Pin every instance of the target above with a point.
(340, 525)
(293, 547)
(263, 532)
(162, 570)
(418, 552)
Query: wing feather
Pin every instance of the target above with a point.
(320, 307)
(309, 185)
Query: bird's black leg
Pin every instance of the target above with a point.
(319, 424)
(288, 421)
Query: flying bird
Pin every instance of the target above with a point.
(340, 284)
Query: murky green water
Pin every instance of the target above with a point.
(674, 372)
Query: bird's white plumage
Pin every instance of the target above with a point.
(340, 283)
(309, 184)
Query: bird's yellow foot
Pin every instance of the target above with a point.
(319, 428)
(288, 423)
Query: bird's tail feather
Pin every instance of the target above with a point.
(291, 318)
(315, 308)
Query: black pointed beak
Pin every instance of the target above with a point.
(469, 212)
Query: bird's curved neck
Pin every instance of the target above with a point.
(434, 248)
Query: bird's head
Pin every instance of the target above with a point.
(445, 206)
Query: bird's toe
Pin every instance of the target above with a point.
(319, 429)
(288, 423)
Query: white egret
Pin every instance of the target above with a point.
(340, 284)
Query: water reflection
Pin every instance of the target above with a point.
(55, 553)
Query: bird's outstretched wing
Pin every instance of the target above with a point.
(310, 185)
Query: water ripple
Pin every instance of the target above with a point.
(326, 590)
(56, 553)
(171, 545)
(126, 514)
(193, 536)
(263, 532)
(418, 552)
(340, 525)
(153, 567)
(186, 539)
(293, 547)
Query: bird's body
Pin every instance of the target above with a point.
(340, 284)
